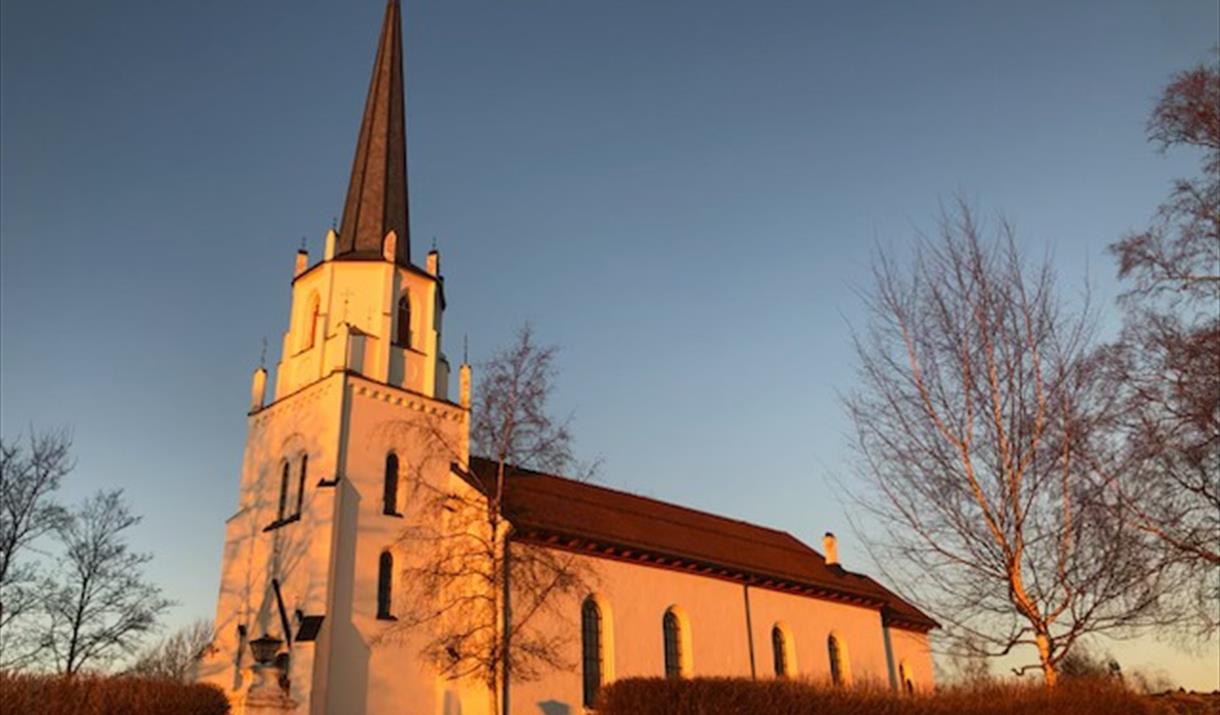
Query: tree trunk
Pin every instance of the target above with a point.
(1048, 665)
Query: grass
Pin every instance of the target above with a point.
(731, 696)
(24, 694)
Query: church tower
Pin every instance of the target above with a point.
(365, 306)
(308, 567)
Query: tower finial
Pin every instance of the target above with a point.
(262, 357)
(465, 348)
(377, 193)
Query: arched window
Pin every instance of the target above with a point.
(779, 651)
(591, 649)
(301, 483)
(280, 513)
(904, 678)
(673, 644)
(403, 323)
(838, 669)
(385, 583)
(390, 496)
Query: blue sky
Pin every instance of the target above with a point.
(682, 195)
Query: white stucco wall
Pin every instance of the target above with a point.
(637, 596)
(297, 553)
(366, 670)
(913, 650)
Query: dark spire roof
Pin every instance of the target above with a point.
(377, 194)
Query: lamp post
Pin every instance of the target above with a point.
(266, 689)
(264, 649)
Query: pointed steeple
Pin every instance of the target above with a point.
(377, 194)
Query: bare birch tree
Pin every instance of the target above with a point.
(102, 606)
(1166, 363)
(174, 656)
(465, 576)
(30, 474)
(980, 420)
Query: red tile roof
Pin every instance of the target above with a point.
(574, 514)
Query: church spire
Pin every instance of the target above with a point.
(377, 194)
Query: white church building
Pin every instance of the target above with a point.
(308, 584)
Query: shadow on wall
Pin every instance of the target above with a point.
(554, 707)
(247, 598)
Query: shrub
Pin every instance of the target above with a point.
(730, 696)
(24, 694)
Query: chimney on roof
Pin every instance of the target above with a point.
(830, 545)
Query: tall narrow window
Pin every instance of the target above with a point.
(385, 582)
(835, 650)
(591, 649)
(904, 678)
(301, 483)
(673, 645)
(403, 322)
(390, 496)
(779, 652)
(282, 511)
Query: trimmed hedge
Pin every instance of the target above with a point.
(733, 696)
(24, 694)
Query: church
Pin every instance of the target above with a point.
(309, 586)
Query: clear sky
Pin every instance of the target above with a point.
(683, 195)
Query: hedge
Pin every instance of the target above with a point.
(734, 696)
(25, 694)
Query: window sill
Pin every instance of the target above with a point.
(410, 349)
(386, 617)
(282, 522)
(394, 514)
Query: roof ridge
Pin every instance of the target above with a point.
(654, 500)
(696, 527)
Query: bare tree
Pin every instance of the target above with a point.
(174, 656)
(1085, 663)
(29, 476)
(980, 420)
(965, 665)
(466, 576)
(102, 607)
(1166, 363)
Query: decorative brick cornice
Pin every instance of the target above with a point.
(293, 401)
(411, 401)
